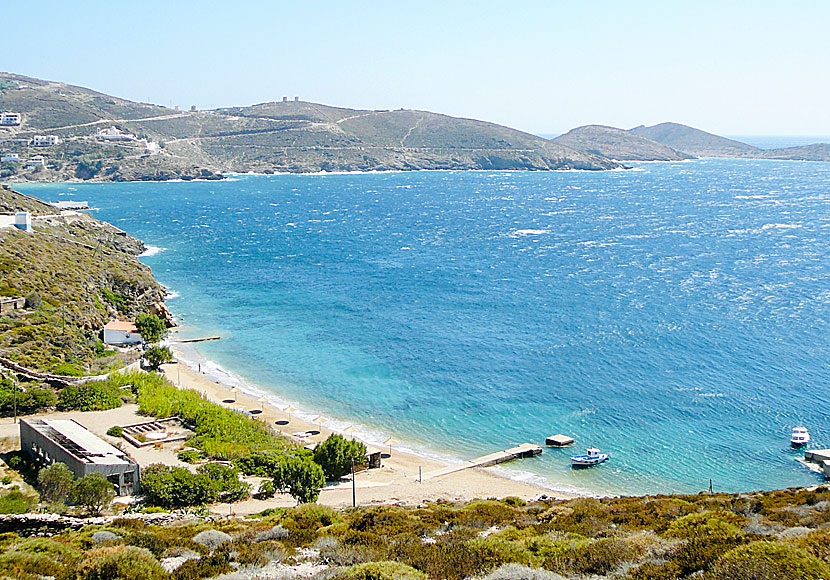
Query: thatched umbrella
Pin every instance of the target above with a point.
(235, 391)
(390, 442)
(351, 430)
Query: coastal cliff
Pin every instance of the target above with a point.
(76, 274)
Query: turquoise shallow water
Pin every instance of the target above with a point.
(675, 315)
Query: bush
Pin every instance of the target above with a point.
(259, 463)
(386, 570)
(212, 539)
(302, 478)
(26, 401)
(150, 327)
(92, 396)
(157, 356)
(16, 502)
(120, 563)
(190, 455)
(115, 431)
(336, 454)
(67, 370)
(32, 300)
(174, 487)
(770, 561)
(267, 489)
(6, 480)
(102, 536)
(225, 481)
(211, 566)
(93, 492)
(55, 483)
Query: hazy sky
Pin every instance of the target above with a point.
(730, 67)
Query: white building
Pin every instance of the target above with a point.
(36, 161)
(23, 221)
(8, 118)
(45, 140)
(119, 333)
(114, 134)
(9, 158)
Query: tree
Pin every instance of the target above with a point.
(150, 327)
(55, 483)
(225, 482)
(336, 453)
(157, 356)
(173, 487)
(302, 477)
(93, 492)
(32, 300)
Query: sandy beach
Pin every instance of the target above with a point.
(396, 482)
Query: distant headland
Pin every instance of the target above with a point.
(52, 131)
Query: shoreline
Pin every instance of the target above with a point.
(396, 482)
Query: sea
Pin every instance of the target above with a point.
(675, 315)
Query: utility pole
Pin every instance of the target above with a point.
(354, 486)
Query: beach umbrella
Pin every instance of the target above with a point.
(261, 401)
(351, 429)
(289, 409)
(235, 390)
(320, 420)
(390, 442)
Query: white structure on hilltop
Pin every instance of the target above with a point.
(119, 332)
(9, 158)
(23, 221)
(8, 118)
(45, 140)
(36, 161)
(114, 134)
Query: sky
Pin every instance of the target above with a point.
(729, 67)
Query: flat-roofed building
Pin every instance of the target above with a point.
(66, 441)
(45, 140)
(119, 332)
(8, 118)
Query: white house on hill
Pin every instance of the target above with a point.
(8, 118)
(45, 140)
(118, 332)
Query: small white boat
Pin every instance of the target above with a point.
(800, 437)
(592, 457)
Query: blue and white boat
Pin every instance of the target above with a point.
(592, 457)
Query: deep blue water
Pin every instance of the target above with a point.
(675, 315)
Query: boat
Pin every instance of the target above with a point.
(592, 457)
(800, 437)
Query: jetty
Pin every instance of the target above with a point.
(206, 338)
(820, 456)
(518, 452)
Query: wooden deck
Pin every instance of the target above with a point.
(518, 452)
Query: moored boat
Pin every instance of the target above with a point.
(800, 437)
(592, 457)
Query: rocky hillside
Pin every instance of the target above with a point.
(78, 273)
(105, 138)
(618, 144)
(696, 142)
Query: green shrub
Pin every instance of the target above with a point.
(92, 396)
(266, 490)
(115, 431)
(92, 492)
(209, 566)
(770, 561)
(386, 570)
(302, 477)
(190, 455)
(7, 479)
(336, 455)
(22, 565)
(16, 502)
(174, 487)
(55, 482)
(150, 327)
(157, 356)
(120, 563)
(259, 463)
(68, 370)
(31, 400)
(225, 481)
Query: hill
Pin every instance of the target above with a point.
(77, 273)
(813, 152)
(618, 144)
(696, 142)
(111, 139)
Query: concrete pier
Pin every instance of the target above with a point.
(518, 452)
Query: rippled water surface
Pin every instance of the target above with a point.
(675, 315)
